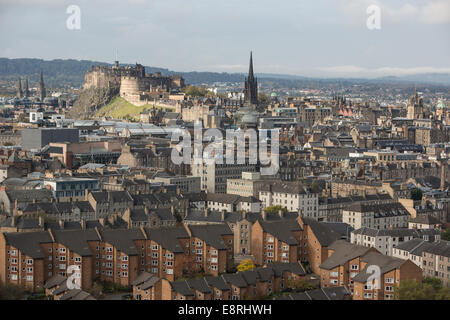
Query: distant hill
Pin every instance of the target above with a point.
(62, 73)
(70, 73)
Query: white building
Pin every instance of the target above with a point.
(291, 195)
(386, 240)
(379, 216)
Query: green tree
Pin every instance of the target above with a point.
(445, 235)
(315, 187)
(275, 209)
(428, 289)
(263, 98)
(193, 91)
(11, 292)
(416, 194)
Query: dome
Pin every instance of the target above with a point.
(274, 95)
(441, 105)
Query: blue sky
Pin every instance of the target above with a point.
(323, 38)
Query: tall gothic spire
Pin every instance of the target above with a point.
(27, 88)
(19, 89)
(250, 69)
(251, 84)
(42, 87)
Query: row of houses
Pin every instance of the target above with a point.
(115, 255)
(257, 283)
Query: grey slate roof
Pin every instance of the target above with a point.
(282, 230)
(294, 267)
(343, 252)
(29, 242)
(55, 281)
(116, 196)
(182, 287)
(40, 195)
(122, 239)
(332, 293)
(145, 281)
(168, 237)
(385, 263)
(209, 234)
(199, 285)
(323, 232)
(76, 240)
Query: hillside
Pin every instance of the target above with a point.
(70, 73)
(119, 108)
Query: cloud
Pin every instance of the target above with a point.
(432, 12)
(356, 71)
(355, 11)
(436, 12)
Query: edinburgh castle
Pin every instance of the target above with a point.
(133, 83)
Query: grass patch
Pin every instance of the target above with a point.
(119, 108)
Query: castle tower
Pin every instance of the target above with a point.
(251, 85)
(19, 89)
(42, 92)
(415, 107)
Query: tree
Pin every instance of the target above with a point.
(300, 285)
(246, 265)
(445, 235)
(193, 91)
(416, 194)
(275, 209)
(263, 98)
(96, 290)
(11, 292)
(428, 289)
(315, 187)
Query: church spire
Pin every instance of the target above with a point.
(27, 88)
(251, 84)
(19, 89)
(42, 87)
(250, 69)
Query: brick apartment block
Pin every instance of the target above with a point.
(257, 283)
(116, 255)
(304, 239)
(348, 265)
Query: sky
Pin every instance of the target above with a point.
(318, 38)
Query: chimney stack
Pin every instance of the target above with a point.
(41, 221)
(281, 213)
(264, 214)
(61, 224)
(443, 165)
(206, 211)
(223, 213)
(83, 224)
